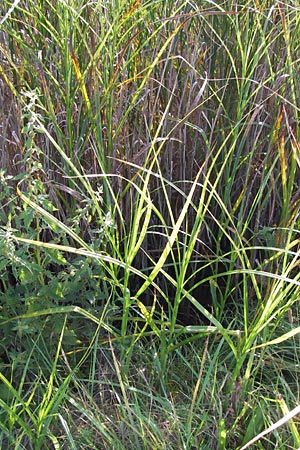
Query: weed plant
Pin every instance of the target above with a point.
(149, 224)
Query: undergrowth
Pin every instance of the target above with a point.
(149, 225)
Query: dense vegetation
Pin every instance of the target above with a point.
(149, 224)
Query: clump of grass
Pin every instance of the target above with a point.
(149, 224)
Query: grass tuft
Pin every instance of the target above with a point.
(149, 224)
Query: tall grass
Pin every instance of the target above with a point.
(149, 224)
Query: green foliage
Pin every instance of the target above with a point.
(149, 224)
(37, 279)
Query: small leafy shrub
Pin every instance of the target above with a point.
(37, 279)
